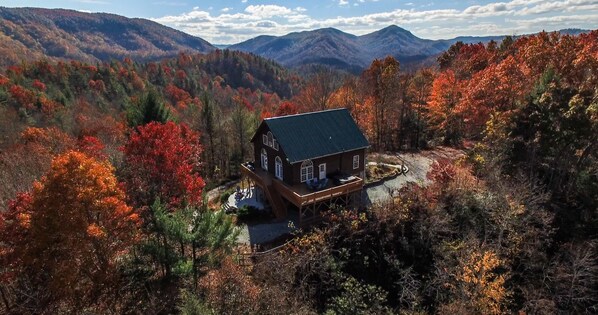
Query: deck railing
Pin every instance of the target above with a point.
(301, 199)
(305, 199)
(254, 176)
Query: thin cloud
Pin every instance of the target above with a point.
(497, 18)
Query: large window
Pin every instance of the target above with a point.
(264, 159)
(355, 162)
(278, 167)
(307, 171)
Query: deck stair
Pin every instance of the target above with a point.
(278, 207)
(266, 183)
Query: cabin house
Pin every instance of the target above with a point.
(308, 160)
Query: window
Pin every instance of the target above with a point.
(270, 139)
(278, 167)
(264, 159)
(355, 162)
(307, 170)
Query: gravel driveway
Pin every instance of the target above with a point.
(418, 163)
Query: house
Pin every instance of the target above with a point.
(308, 160)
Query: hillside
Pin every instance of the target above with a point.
(33, 33)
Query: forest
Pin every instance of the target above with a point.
(104, 169)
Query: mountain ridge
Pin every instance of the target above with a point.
(35, 33)
(59, 34)
(359, 51)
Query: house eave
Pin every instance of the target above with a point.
(327, 155)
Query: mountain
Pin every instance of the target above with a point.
(342, 50)
(331, 47)
(33, 33)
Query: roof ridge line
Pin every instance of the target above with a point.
(309, 113)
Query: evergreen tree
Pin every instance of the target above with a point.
(151, 108)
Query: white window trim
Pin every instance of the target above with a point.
(270, 139)
(356, 162)
(309, 169)
(277, 163)
(275, 147)
(264, 159)
(265, 139)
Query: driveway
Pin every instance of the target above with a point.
(419, 165)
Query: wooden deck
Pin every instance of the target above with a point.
(300, 195)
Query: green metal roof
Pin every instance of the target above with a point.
(317, 134)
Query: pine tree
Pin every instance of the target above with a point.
(151, 108)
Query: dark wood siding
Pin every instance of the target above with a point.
(342, 162)
(258, 145)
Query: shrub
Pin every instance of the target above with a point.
(225, 195)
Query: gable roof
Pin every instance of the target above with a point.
(317, 134)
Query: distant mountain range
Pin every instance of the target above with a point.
(32, 33)
(345, 51)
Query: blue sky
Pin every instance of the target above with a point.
(232, 21)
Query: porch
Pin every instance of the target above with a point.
(306, 200)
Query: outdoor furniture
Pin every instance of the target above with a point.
(322, 184)
(312, 184)
(344, 179)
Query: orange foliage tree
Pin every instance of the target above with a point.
(479, 285)
(443, 119)
(499, 87)
(67, 235)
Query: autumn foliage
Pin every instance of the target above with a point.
(66, 236)
(163, 161)
(102, 172)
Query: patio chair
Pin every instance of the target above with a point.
(322, 184)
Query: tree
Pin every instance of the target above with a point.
(286, 108)
(163, 161)
(150, 108)
(574, 277)
(478, 286)
(554, 140)
(499, 88)
(382, 82)
(230, 291)
(444, 120)
(314, 96)
(208, 117)
(418, 90)
(66, 237)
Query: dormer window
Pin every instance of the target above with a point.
(270, 139)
